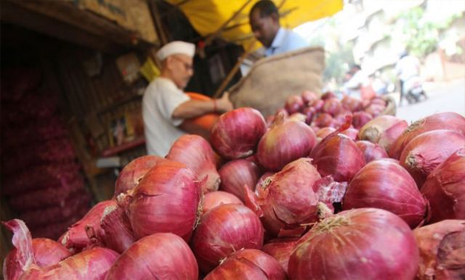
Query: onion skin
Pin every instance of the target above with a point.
(237, 173)
(281, 249)
(373, 129)
(440, 247)
(351, 132)
(119, 235)
(323, 120)
(157, 256)
(285, 142)
(325, 131)
(352, 104)
(332, 106)
(290, 199)
(294, 104)
(237, 132)
(197, 154)
(214, 199)
(426, 151)
(338, 155)
(371, 151)
(76, 238)
(360, 119)
(309, 96)
(309, 112)
(386, 185)
(223, 230)
(166, 200)
(447, 120)
(445, 189)
(248, 264)
(363, 243)
(133, 172)
(390, 135)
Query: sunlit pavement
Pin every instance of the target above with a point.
(442, 97)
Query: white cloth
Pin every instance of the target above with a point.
(160, 100)
(354, 85)
(284, 41)
(407, 67)
(176, 47)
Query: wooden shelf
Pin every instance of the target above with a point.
(123, 147)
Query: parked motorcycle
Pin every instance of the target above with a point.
(413, 90)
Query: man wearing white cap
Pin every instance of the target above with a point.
(165, 105)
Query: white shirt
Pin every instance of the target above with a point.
(160, 100)
(284, 41)
(407, 67)
(354, 85)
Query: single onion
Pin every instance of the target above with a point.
(363, 243)
(118, 231)
(389, 136)
(133, 172)
(446, 120)
(426, 151)
(166, 200)
(309, 96)
(237, 173)
(297, 117)
(248, 264)
(290, 198)
(375, 109)
(237, 132)
(213, 199)
(157, 256)
(281, 249)
(332, 106)
(373, 129)
(224, 230)
(325, 131)
(286, 141)
(76, 237)
(371, 151)
(22, 262)
(197, 154)
(328, 95)
(262, 183)
(386, 185)
(353, 104)
(360, 119)
(294, 104)
(338, 155)
(351, 132)
(322, 120)
(309, 112)
(445, 189)
(378, 100)
(441, 250)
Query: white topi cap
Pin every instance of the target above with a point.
(176, 47)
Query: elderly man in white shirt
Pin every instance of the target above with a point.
(165, 105)
(264, 21)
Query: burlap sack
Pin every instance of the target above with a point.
(271, 80)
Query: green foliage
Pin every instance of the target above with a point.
(337, 61)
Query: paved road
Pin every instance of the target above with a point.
(442, 97)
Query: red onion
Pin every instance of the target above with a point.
(322, 120)
(90, 264)
(445, 189)
(309, 112)
(197, 154)
(237, 173)
(386, 185)
(441, 250)
(133, 172)
(328, 95)
(286, 141)
(325, 131)
(290, 199)
(248, 264)
(353, 104)
(371, 151)
(166, 200)
(360, 119)
(351, 132)
(446, 120)
(389, 136)
(378, 100)
(223, 230)
(157, 256)
(297, 117)
(213, 199)
(117, 227)
(375, 109)
(294, 104)
(262, 183)
(309, 96)
(338, 155)
(373, 129)
(76, 237)
(318, 105)
(426, 151)
(358, 244)
(236, 133)
(281, 249)
(332, 106)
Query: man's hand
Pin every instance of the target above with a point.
(224, 104)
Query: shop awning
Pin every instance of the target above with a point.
(229, 19)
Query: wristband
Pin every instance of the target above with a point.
(214, 106)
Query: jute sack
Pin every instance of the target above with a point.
(271, 80)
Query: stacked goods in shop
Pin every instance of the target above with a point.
(40, 174)
(280, 202)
